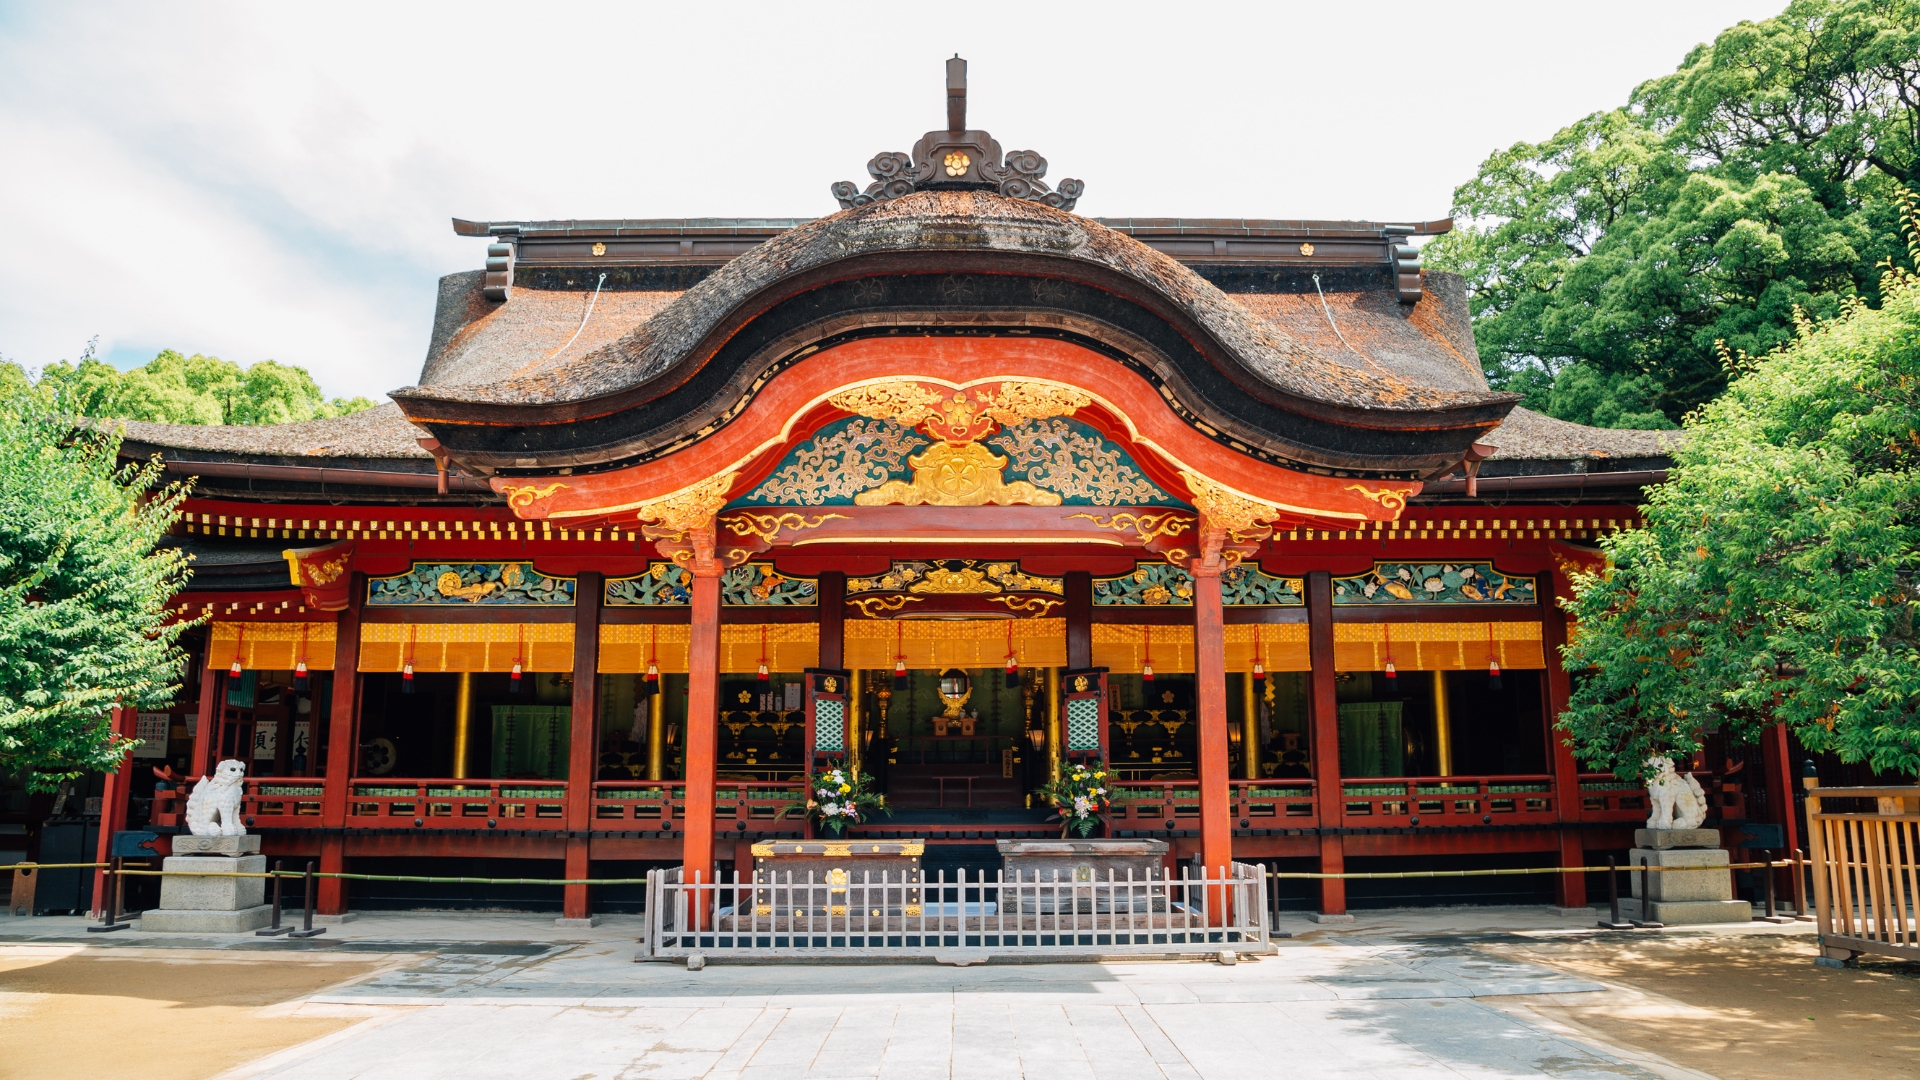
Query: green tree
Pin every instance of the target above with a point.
(83, 589)
(176, 389)
(1758, 180)
(1779, 574)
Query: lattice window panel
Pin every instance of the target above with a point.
(829, 726)
(1083, 724)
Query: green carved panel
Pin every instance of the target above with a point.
(1434, 583)
(1162, 584)
(1074, 461)
(468, 584)
(757, 584)
(842, 460)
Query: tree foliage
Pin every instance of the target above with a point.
(176, 389)
(82, 591)
(1758, 180)
(1779, 574)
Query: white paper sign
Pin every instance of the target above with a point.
(151, 729)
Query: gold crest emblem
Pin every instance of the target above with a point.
(832, 684)
(1080, 683)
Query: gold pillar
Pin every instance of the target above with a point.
(1053, 723)
(462, 724)
(657, 732)
(855, 721)
(1442, 724)
(1250, 728)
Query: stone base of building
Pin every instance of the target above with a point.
(1688, 912)
(176, 921)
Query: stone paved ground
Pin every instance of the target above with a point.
(1405, 994)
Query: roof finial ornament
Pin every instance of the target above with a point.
(958, 159)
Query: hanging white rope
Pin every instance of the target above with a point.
(596, 299)
(1336, 328)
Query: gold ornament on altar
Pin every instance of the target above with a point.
(955, 690)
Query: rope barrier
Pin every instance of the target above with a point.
(1272, 874)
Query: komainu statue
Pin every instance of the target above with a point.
(214, 807)
(1678, 801)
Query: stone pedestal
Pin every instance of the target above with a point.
(222, 902)
(1085, 862)
(1682, 897)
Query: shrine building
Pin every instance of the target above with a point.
(953, 484)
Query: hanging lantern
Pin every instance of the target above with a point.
(650, 682)
(300, 682)
(899, 656)
(1393, 677)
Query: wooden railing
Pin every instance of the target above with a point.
(1174, 805)
(1866, 872)
(273, 802)
(1605, 797)
(511, 805)
(646, 806)
(1450, 800)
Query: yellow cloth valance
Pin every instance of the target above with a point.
(960, 643)
(624, 648)
(1461, 646)
(272, 646)
(466, 646)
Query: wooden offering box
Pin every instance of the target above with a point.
(1060, 875)
(833, 877)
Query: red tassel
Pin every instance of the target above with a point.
(300, 676)
(235, 669)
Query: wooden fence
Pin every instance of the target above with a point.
(1866, 870)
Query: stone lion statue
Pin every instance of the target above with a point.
(214, 807)
(1678, 801)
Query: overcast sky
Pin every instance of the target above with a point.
(275, 181)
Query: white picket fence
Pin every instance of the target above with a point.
(891, 914)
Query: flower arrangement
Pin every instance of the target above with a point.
(1081, 795)
(838, 796)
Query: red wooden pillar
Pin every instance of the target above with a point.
(1324, 711)
(1210, 684)
(833, 619)
(205, 722)
(583, 744)
(343, 742)
(703, 718)
(1776, 759)
(1571, 889)
(113, 804)
(1079, 615)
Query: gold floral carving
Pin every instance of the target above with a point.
(1148, 527)
(960, 417)
(872, 606)
(1229, 513)
(686, 510)
(325, 573)
(940, 581)
(1394, 499)
(449, 585)
(1038, 606)
(768, 527)
(967, 474)
(520, 497)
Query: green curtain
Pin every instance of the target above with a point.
(530, 742)
(1371, 741)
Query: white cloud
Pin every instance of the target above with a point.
(270, 181)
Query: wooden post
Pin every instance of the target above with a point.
(833, 619)
(1249, 728)
(1777, 761)
(1570, 890)
(1210, 685)
(1324, 713)
(113, 805)
(343, 744)
(1078, 594)
(212, 689)
(583, 745)
(1054, 729)
(703, 719)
